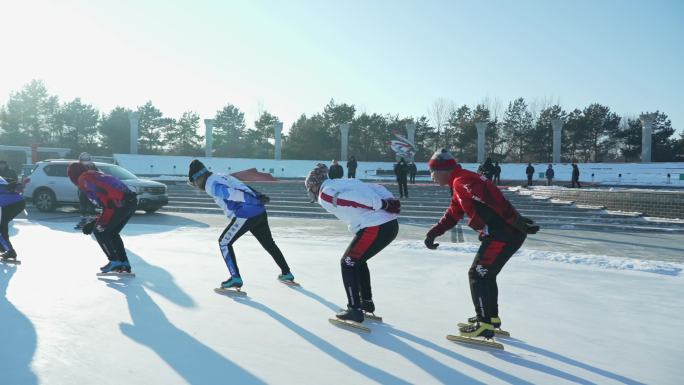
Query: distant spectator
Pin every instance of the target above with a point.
(401, 171)
(487, 169)
(351, 167)
(413, 170)
(497, 174)
(336, 171)
(549, 175)
(575, 176)
(7, 173)
(530, 173)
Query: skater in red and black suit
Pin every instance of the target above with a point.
(502, 231)
(370, 211)
(118, 204)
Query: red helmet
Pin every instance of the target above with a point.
(74, 171)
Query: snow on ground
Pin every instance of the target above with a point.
(577, 322)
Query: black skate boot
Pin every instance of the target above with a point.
(368, 306)
(9, 256)
(496, 321)
(351, 314)
(479, 329)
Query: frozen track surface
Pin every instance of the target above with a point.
(572, 322)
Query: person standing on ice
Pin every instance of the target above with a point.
(245, 209)
(11, 205)
(118, 204)
(502, 231)
(370, 211)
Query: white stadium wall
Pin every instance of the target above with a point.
(654, 174)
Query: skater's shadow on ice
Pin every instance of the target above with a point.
(390, 338)
(18, 342)
(159, 280)
(515, 359)
(197, 363)
(361, 367)
(138, 225)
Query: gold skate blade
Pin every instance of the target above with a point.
(475, 341)
(230, 292)
(351, 325)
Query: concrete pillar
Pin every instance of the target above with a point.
(208, 137)
(134, 119)
(481, 130)
(646, 134)
(344, 132)
(557, 125)
(411, 136)
(278, 132)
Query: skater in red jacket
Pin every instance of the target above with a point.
(502, 230)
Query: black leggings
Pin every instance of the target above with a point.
(7, 213)
(258, 226)
(110, 240)
(403, 187)
(355, 274)
(489, 260)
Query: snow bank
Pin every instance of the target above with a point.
(600, 261)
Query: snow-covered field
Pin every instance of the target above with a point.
(609, 321)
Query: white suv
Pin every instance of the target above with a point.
(48, 186)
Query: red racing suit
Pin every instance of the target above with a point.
(477, 197)
(105, 191)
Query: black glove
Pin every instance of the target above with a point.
(526, 225)
(263, 199)
(430, 243)
(13, 186)
(391, 205)
(89, 227)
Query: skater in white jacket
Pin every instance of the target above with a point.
(370, 211)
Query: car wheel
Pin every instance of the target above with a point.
(150, 211)
(44, 199)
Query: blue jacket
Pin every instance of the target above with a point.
(233, 196)
(8, 197)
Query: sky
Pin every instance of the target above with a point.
(398, 57)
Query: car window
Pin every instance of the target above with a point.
(59, 170)
(116, 171)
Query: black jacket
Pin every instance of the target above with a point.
(8, 174)
(400, 170)
(336, 171)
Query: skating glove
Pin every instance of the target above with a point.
(391, 205)
(526, 225)
(263, 199)
(430, 243)
(88, 227)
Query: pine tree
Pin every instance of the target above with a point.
(517, 125)
(182, 138)
(115, 131)
(229, 132)
(29, 116)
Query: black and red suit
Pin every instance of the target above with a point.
(118, 205)
(502, 231)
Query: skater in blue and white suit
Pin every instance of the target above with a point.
(245, 209)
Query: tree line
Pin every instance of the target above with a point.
(518, 133)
